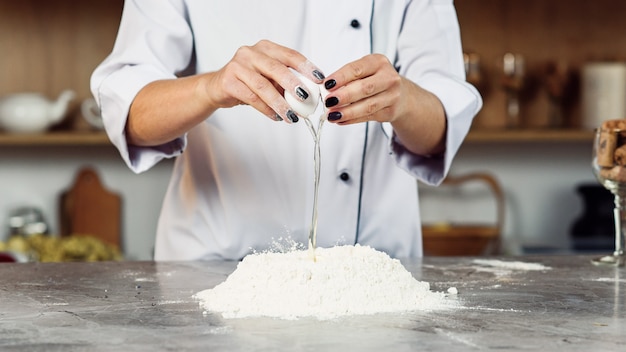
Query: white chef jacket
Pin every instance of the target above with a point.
(241, 181)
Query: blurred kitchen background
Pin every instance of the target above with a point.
(534, 61)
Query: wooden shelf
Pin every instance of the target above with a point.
(57, 138)
(529, 136)
(68, 138)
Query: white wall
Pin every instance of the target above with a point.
(539, 180)
(36, 176)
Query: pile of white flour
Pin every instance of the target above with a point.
(343, 280)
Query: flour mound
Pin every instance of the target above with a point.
(343, 280)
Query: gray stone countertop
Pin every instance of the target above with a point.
(148, 306)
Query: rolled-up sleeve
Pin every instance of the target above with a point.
(430, 54)
(154, 42)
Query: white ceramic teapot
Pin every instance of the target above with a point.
(91, 113)
(32, 112)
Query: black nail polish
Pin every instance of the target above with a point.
(330, 84)
(332, 101)
(334, 116)
(317, 74)
(292, 116)
(302, 93)
(277, 117)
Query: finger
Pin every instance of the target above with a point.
(376, 108)
(268, 78)
(355, 92)
(356, 70)
(292, 58)
(360, 79)
(310, 71)
(274, 61)
(256, 90)
(246, 97)
(268, 64)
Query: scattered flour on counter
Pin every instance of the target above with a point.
(344, 280)
(511, 265)
(609, 279)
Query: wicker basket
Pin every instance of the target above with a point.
(466, 240)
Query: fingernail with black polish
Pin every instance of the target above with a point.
(334, 116)
(317, 74)
(332, 101)
(330, 84)
(277, 117)
(292, 116)
(302, 93)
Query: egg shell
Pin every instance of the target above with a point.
(323, 93)
(307, 107)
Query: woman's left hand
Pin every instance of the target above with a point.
(370, 89)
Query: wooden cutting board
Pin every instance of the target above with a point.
(87, 208)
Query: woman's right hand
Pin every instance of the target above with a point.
(258, 76)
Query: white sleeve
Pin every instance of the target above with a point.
(430, 53)
(154, 42)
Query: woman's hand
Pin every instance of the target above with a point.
(370, 89)
(257, 75)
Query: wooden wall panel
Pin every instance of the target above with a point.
(47, 46)
(50, 45)
(572, 32)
